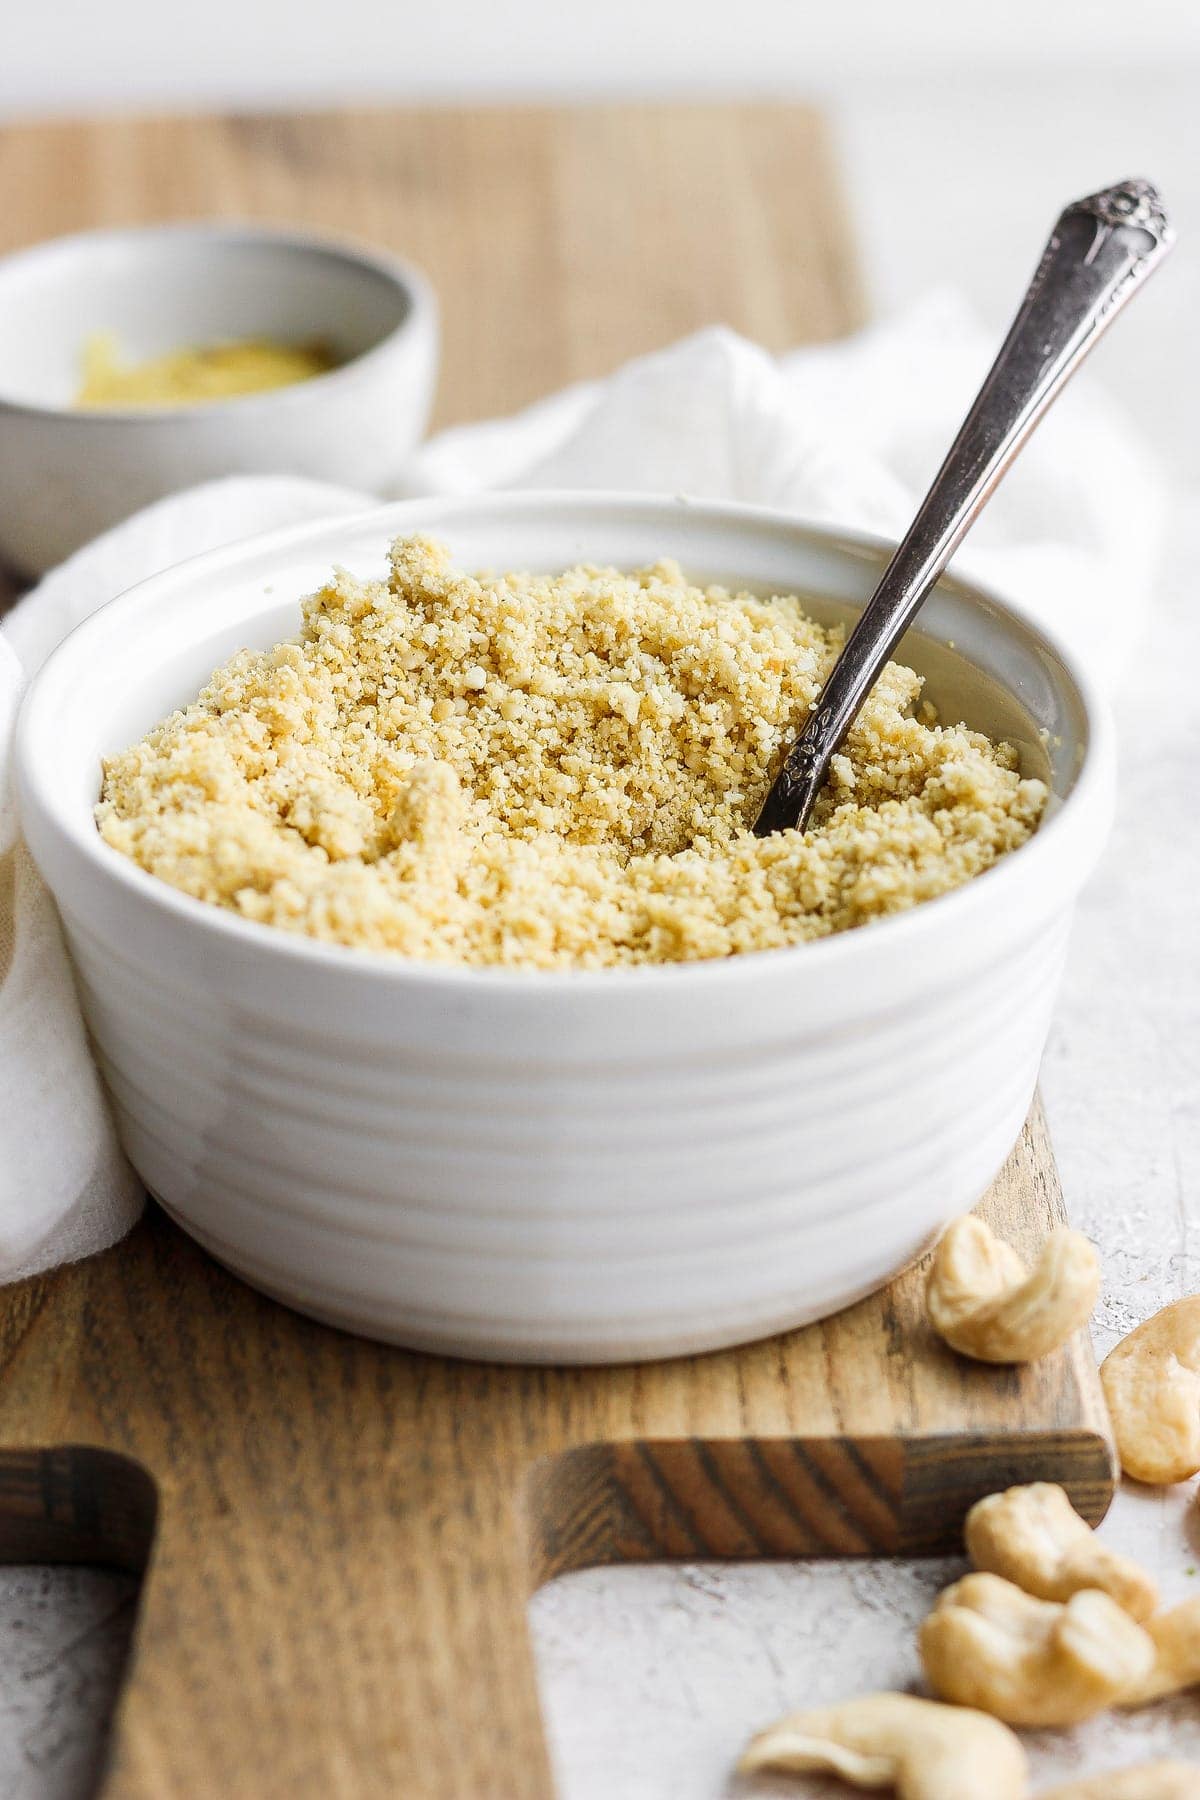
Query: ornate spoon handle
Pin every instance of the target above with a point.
(1099, 253)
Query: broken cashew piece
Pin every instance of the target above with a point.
(1034, 1537)
(1175, 1635)
(1145, 1781)
(923, 1750)
(985, 1303)
(1031, 1662)
(1152, 1385)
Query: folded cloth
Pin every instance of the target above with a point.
(848, 433)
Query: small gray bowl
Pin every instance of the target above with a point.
(67, 474)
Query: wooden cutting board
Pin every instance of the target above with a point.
(339, 1539)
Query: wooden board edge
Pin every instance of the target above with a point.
(736, 1499)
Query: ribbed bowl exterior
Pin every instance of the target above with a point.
(608, 1200)
(560, 1168)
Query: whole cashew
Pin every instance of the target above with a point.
(986, 1304)
(1027, 1661)
(1145, 1781)
(1175, 1635)
(1033, 1536)
(1152, 1385)
(923, 1750)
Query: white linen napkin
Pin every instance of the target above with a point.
(848, 433)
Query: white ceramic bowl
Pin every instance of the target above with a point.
(558, 1166)
(66, 475)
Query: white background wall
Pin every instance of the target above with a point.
(56, 55)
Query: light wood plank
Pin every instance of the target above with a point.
(560, 241)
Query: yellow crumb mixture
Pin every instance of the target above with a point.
(551, 772)
(194, 377)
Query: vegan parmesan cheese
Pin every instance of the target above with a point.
(552, 772)
(195, 376)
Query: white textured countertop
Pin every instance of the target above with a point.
(652, 1678)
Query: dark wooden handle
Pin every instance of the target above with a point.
(364, 1640)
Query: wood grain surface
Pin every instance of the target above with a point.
(339, 1538)
(560, 241)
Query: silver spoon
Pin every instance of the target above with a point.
(1099, 253)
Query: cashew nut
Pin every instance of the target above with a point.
(1175, 1635)
(1145, 1781)
(1033, 1536)
(986, 1304)
(1027, 1661)
(923, 1750)
(1152, 1385)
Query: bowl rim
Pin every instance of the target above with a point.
(987, 892)
(404, 277)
